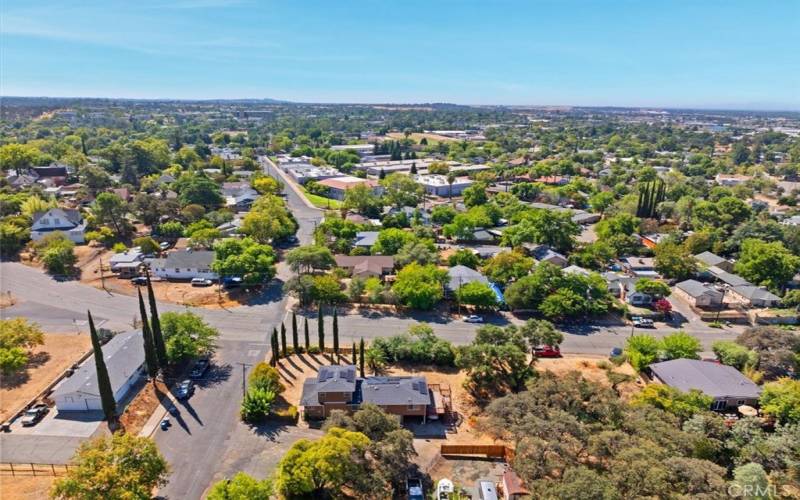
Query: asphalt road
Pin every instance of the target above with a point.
(207, 440)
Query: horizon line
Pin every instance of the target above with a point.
(419, 103)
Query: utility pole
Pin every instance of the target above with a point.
(102, 276)
(245, 366)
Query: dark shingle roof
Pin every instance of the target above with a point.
(714, 379)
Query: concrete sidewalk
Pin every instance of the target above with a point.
(155, 419)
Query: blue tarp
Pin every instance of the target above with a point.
(498, 293)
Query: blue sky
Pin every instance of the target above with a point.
(692, 53)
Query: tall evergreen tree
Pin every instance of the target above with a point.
(321, 329)
(155, 326)
(150, 356)
(284, 350)
(276, 348)
(336, 334)
(307, 339)
(273, 352)
(355, 354)
(295, 343)
(103, 381)
(361, 357)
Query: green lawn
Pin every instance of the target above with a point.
(321, 201)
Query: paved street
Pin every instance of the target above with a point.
(207, 441)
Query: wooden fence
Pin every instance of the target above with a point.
(487, 450)
(34, 470)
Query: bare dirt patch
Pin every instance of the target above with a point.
(25, 487)
(48, 361)
(147, 400)
(590, 370)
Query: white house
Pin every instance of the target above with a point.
(124, 357)
(185, 265)
(437, 184)
(68, 221)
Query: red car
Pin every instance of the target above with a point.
(546, 351)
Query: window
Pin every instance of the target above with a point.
(718, 405)
(56, 221)
(46, 222)
(740, 402)
(177, 270)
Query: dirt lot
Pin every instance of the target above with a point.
(25, 487)
(587, 366)
(418, 136)
(47, 362)
(175, 292)
(143, 405)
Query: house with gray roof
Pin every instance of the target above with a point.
(698, 294)
(458, 276)
(729, 388)
(726, 277)
(124, 357)
(185, 265)
(755, 296)
(365, 239)
(708, 259)
(337, 387)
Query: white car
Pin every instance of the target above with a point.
(473, 318)
(201, 282)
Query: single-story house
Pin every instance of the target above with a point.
(726, 277)
(698, 294)
(126, 263)
(573, 269)
(66, 220)
(124, 357)
(242, 201)
(581, 217)
(185, 265)
(634, 297)
(616, 283)
(543, 253)
(458, 276)
(366, 266)
(731, 180)
(338, 186)
(755, 296)
(437, 185)
(641, 267)
(365, 239)
(729, 388)
(55, 174)
(708, 259)
(337, 387)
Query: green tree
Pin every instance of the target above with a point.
(336, 334)
(464, 257)
(268, 220)
(641, 350)
(563, 303)
(147, 245)
(284, 350)
(674, 261)
(732, 354)
(443, 214)
(620, 224)
(155, 326)
(548, 227)
(241, 487)
(361, 357)
(186, 336)
(305, 333)
(601, 201)
(681, 404)
(199, 190)
(150, 356)
(264, 376)
(320, 329)
(57, 253)
(476, 294)
(18, 157)
(362, 199)
(475, 195)
(17, 336)
(118, 466)
(507, 266)
(751, 478)
(109, 208)
(310, 258)
(103, 381)
(495, 362)
(244, 258)
(256, 404)
(401, 190)
(767, 264)
(781, 399)
(419, 287)
(390, 241)
(326, 289)
(295, 339)
(541, 333)
(653, 288)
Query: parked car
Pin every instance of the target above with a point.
(414, 489)
(164, 245)
(185, 389)
(615, 352)
(473, 318)
(232, 282)
(201, 282)
(165, 423)
(33, 414)
(139, 281)
(199, 368)
(640, 322)
(546, 351)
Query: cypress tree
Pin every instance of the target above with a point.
(321, 330)
(103, 381)
(150, 356)
(155, 326)
(284, 351)
(382, 174)
(355, 353)
(335, 334)
(295, 343)
(413, 170)
(308, 340)
(361, 357)
(276, 348)
(273, 360)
